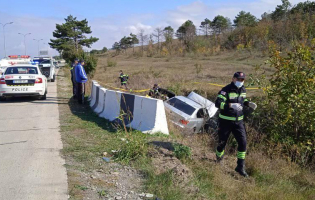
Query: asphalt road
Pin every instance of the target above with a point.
(31, 166)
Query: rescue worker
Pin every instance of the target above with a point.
(72, 70)
(81, 79)
(231, 100)
(155, 91)
(123, 79)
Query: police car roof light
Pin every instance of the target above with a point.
(13, 56)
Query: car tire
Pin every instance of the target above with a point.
(44, 97)
(54, 78)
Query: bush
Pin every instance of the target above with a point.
(90, 60)
(290, 102)
(134, 147)
(181, 151)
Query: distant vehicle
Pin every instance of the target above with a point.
(12, 60)
(61, 63)
(192, 112)
(47, 67)
(23, 80)
(56, 64)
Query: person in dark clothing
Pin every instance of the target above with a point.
(155, 91)
(231, 100)
(123, 79)
(72, 70)
(81, 79)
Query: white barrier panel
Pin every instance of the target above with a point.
(149, 116)
(96, 96)
(93, 94)
(101, 101)
(112, 105)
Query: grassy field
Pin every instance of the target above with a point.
(158, 164)
(178, 74)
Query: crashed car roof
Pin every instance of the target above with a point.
(190, 102)
(204, 103)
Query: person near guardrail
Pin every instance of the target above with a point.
(123, 79)
(231, 100)
(72, 70)
(155, 91)
(81, 79)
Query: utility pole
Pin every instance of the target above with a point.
(38, 40)
(24, 40)
(3, 26)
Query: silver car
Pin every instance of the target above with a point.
(191, 112)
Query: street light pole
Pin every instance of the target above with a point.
(24, 40)
(38, 44)
(3, 26)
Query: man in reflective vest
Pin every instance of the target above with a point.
(123, 79)
(231, 100)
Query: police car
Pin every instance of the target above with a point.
(23, 80)
(13, 60)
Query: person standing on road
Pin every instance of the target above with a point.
(123, 79)
(81, 79)
(72, 70)
(231, 100)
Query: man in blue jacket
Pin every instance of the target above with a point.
(81, 79)
(72, 70)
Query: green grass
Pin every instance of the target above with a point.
(86, 136)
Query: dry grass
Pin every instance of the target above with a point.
(177, 73)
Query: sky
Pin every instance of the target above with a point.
(110, 20)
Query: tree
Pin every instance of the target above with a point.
(281, 10)
(134, 41)
(186, 32)
(220, 24)
(72, 35)
(158, 33)
(116, 46)
(168, 34)
(206, 27)
(304, 7)
(142, 39)
(245, 19)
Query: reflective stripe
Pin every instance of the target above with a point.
(241, 155)
(231, 118)
(222, 97)
(222, 105)
(233, 95)
(245, 100)
(243, 95)
(219, 154)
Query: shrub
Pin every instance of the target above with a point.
(134, 147)
(290, 102)
(182, 151)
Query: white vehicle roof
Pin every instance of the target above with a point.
(205, 103)
(189, 102)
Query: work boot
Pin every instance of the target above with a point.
(219, 159)
(241, 167)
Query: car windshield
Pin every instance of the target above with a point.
(182, 106)
(21, 70)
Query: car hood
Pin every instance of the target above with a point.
(209, 105)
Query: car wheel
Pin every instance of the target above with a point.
(44, 97)
(54, 78)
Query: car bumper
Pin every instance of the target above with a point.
(36, 90)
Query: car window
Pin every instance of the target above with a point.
(200, 113)
(182, 106)
(45, 62)
(21, 70)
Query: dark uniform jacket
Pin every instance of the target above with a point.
(231, 94)
(123, 78)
